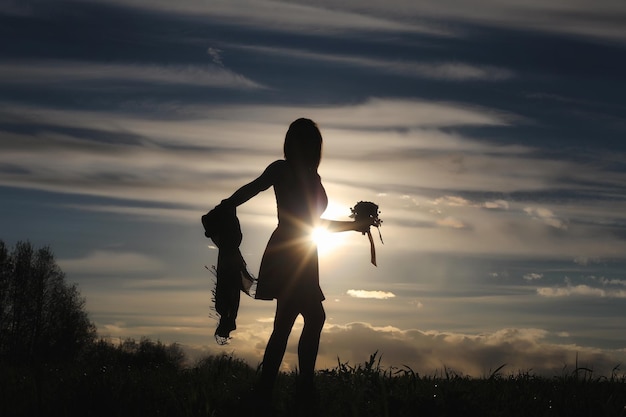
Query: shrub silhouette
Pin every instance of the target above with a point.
(142, 356)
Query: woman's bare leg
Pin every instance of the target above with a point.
(314, 317)
(286, 314)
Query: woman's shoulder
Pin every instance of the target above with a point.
(274, 171)
(278, 164)
(277, 167)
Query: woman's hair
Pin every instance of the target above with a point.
(303, 144)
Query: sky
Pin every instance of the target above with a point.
(490, 133)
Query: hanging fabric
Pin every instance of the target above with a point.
(222, 226)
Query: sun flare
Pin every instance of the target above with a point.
(321, 236)
(326, 241)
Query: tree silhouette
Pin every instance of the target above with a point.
(42, 318)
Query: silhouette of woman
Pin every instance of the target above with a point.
(289, 269)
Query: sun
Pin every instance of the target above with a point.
(326, 241)
(321, 237)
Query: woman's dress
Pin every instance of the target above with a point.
(289, 267)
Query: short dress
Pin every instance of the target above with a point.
(289, 267)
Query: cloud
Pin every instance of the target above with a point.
(374, 113)
(145, 214)
(425, 352)
(451, 71)
(496, 205)
(585, 261)
(124, 154)
(445, 71)
(216, 55)
(46, 72)
(605, 281)
(602, 20)
(546, 216)
(104, 262)
(453, 201)
(533, 276)
(428, 352)
(290, 17)
(451, 222)
(459, 202)
(379, 295)
(397, 151)
(580, 290)
(353, 123)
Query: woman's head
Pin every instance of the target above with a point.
(303, 144)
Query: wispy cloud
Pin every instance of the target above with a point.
(451, 200)
(547, 216)
(109, 262)
(286, 16)
(584, 260)
(601, 20)
(124, 152)
(195, 155)
(45, 72)
(533, 276)
(581, 290)
(372, 113)
(496, 205)
(451, 222)
(448, 71)
(605, 281)
(145, 214)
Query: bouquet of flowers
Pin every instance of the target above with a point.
(369, 210)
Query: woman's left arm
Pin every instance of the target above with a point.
(262, 183)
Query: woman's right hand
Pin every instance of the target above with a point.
(363, 225)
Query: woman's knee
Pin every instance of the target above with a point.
(282, 329)
(315, 317)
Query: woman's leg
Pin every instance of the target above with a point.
(314, 317)
(286, 314)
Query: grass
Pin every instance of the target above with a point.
(151, 381)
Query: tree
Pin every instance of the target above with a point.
(41, 316)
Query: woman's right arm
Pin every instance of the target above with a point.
(262, 183)
(361, 225)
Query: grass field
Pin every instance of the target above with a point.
(148, 379)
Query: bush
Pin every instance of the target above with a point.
(130, 379)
